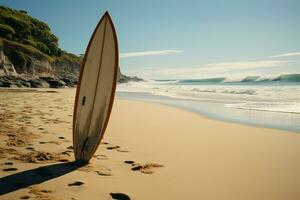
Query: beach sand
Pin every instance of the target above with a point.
(149, 151)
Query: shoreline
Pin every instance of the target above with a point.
(182, 104)
(216, 111)
(184, 155)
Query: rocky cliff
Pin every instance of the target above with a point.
(23, 66)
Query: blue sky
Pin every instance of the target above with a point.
(183, 39)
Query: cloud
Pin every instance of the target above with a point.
(286, 55)
(177, 73)
(149, 53)
(248, 64)
(211, 70)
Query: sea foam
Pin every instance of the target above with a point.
(276, 94)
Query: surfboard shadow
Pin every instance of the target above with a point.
(38, 175)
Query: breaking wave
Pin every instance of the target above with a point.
(278, 93)
(283, 78)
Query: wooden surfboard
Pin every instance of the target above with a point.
(95, 89)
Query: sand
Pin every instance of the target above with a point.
(150, 151)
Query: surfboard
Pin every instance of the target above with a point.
(95, 89)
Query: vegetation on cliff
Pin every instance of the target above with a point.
(22, 35)
(18, 26)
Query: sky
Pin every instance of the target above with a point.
(176, 39)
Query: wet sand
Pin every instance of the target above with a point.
(149, 151)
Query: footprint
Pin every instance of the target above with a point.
(66, 153)
(76, 183)
(25, 197)
(104, 172)
(10, 169)
(104, 143)
(46, 191)
(119, 196)
(63, 160)
(40, 193)
(113, 147)
(146, 168)
(137, 168)
(129, 161)
(101, 157)
(61, 137)
(50, 142)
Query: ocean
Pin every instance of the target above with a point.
(272, 102)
